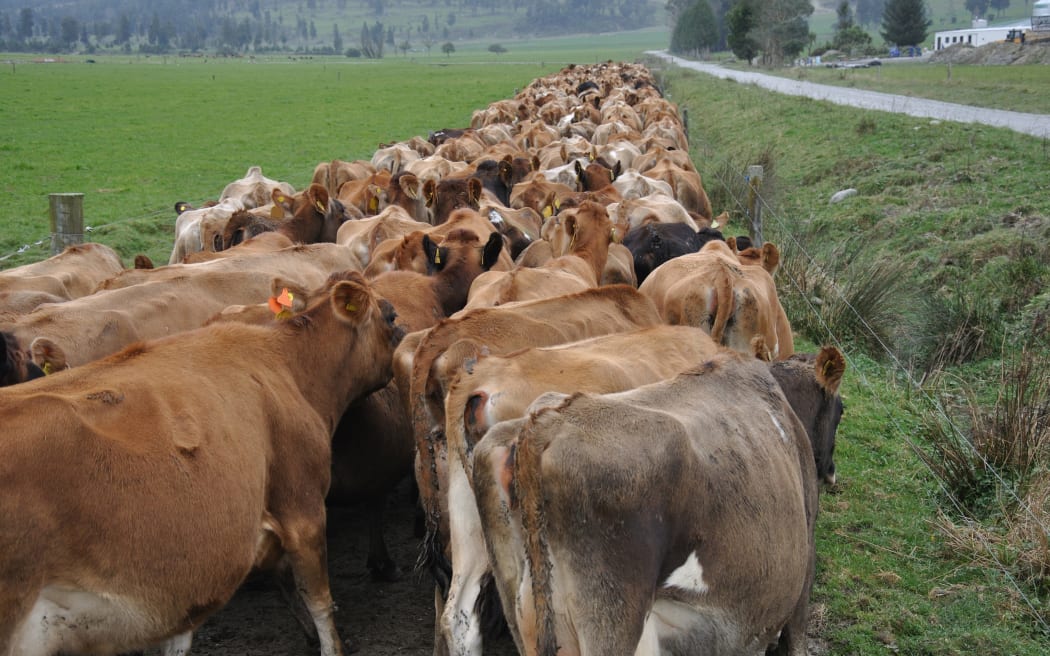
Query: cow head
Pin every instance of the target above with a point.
(15, 367)
(811, 384)
(450, 194)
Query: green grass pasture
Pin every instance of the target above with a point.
(135, 134)
(1018, 88)
(959, 207)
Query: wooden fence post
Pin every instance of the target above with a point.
(754, 177)
(67, 221)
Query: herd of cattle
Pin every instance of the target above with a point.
(616, 449)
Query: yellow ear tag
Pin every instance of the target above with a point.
(714, 225)
(47, 369)
(548, 211)
(350, 307)
(320, 207)
(437, 256)
(612, 235)
(557, 204)
(373, 204)
(827, 365)
(281, 199)
(277, 212)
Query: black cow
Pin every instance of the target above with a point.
(652, 244)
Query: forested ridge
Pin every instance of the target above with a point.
(316, 26)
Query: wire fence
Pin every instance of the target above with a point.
(784, 231)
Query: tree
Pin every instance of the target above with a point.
(70, 31)
(782, 29)
(977, 7)
(372, 40)
(695, 30)
(904, 22)
(849, 37)
(869, 12)
(1000, 5)
(337, 39)
(25, 24)
(740, 20)
(497, 48)
(448, 48)
(843, 16)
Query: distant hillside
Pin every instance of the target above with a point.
(315, 26)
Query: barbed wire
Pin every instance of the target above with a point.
(784, 231)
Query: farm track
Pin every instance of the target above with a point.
(1037, 125)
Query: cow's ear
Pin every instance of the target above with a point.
(410, 185)
(490, 254)
(282, 203)
(579, 168)
(429, 188)
(731, 243)
(48, 355)
(617, 169)
(143, 262)
(293, 291)
(436, 260)
(505, 171)
(830, 367)
(474, 191)
(770, 257)
(181, 206)
(535, 163)
(351, 300)
(318, 197)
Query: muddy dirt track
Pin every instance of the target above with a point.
(380, 618)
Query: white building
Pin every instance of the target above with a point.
(978, 35)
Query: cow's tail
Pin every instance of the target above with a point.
(529, 492)
(724, 302)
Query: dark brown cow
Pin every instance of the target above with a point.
(450, 194)
(180, 474)
(16, 366)
(673, 518)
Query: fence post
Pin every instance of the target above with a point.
(67, 221)
(754, 177)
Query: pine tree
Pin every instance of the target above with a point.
(695, 30)
(904, 22)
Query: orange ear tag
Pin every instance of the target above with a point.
(286, 298)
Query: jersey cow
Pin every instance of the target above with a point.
(674, 518)
(737, 303)
(179, 474)
(498, 388)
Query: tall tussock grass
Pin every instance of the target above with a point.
(991, 458)
(838, 292)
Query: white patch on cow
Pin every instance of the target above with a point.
(494, 217)
(689, 576)
(179, 645)
(71, 620)
(491, 410)
(780, 429)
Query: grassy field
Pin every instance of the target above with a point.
(951, 208)
(943, 210)
(135, 134)
(1018, 88)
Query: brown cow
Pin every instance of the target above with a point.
(498, 388)
(450, 194)
(180, 474)
(676, 517)
(73, 273)
(425, 363)
(587, 234)
(735, 302)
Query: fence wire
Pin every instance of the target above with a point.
(783, 231)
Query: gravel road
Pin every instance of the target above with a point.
(1034, 124)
